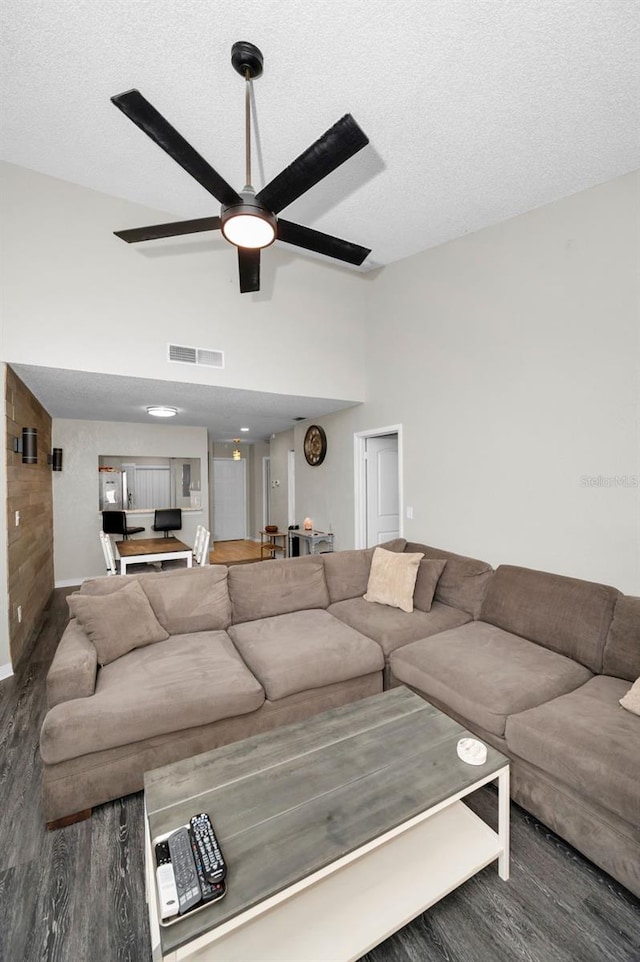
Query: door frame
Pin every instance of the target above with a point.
(360, 484)
(266, 491)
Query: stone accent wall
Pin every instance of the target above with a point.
(29, 491)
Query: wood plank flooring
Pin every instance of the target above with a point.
(234, 552)
(77, 895)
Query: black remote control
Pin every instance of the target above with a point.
(184, 869)
(213, 863)
(211, 891)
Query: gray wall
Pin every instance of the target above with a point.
(510, 357)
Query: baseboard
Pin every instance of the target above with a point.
(6, 671)
(72, 582)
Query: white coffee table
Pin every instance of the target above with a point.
(337, 830)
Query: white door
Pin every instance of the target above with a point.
(229, 499)
(383, 496)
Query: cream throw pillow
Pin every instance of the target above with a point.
(631, 701)
(117, 623)
(392, 578)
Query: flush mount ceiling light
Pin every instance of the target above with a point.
(245, 429)
(161, 411)
(248, 219)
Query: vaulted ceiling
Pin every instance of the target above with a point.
(476, 111)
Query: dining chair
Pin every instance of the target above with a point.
(115, 522)
(109, 556)
(200, 551)
(201, 545)
(167, 520)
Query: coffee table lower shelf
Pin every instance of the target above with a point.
(347, 908)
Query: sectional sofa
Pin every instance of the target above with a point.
(157, 667)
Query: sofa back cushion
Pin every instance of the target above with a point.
(193, 599)
(269, 588)
(347, 572)
(464, 581)
(183, 600)
(566, 615)
(622, 647)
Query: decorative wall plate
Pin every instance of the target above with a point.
(315, 445)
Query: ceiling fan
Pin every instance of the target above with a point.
(249, 220)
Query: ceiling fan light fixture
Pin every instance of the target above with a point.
(248, 224)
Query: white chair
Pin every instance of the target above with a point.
(109, 557)
(200, 550)
(201, 545)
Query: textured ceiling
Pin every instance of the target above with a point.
(476, 110)
(223, 411)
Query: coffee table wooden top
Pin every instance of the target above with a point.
(286, 803)
(137, 547)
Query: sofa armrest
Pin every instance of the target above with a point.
(74, 667)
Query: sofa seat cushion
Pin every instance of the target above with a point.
(586, 740)
(391, 627)
(303, 650)
(486, 674)
(185, 681)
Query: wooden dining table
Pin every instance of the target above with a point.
(138, 550)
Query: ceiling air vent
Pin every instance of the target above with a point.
(195, 355)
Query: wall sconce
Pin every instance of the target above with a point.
(236, 454)
(27, 445)
(55, 459)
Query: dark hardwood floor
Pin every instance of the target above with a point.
(77, 895)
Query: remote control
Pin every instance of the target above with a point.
(213, 863)
(211, 891)
(166, 882)
(184, 870)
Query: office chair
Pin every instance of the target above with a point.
(115, 522)
(167, 520)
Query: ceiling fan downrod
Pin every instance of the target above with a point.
(247, 60)
(247, 131)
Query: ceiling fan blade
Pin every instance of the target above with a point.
(336, 145)
(249, 269)
(137, 234)
(315, 240)
(147, 118)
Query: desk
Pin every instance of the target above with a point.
(269, 543)
(140, 550)
(312, 542)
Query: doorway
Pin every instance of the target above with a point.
(378, 486)
(229, 499)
